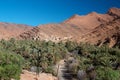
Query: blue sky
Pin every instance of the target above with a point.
(36, 12)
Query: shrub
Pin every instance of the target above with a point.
(10, 65)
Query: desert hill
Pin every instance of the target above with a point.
(9, 30)
(106, 33)
(93, 28)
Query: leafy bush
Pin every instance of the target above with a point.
(107, 74)
(10, 65)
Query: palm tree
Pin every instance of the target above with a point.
(37, 60)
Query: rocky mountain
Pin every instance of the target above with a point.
(88, 22)
(93, 28)
(107, 33)
(9, 30)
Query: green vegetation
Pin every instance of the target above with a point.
(41, 54)
(45, 55)
(103, 59)
(10, 65)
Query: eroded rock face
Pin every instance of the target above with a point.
(93, 28)
(115, 12)
(107, 33)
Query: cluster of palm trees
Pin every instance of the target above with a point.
(36, 53)
(97, 63)
(45, 55)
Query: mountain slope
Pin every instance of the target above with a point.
(93, 28)
(89, 22)
(9, 30)
(53, 32)
(107, 33)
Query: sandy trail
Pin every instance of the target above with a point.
(32, 76)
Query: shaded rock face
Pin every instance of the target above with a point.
(93, 28)
(108, 33)
(115, 12)
(9, 30)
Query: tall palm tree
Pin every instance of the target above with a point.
(36, 54)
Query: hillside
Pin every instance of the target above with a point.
(107, 33)
(9, 30)
(93, 28)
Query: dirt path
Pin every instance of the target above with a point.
(63, 73)
(32, 76)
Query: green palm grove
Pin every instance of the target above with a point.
(16, 55)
